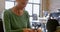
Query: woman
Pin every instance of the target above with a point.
(16, 19)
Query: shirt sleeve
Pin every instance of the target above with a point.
(6, 22)
(28, 22)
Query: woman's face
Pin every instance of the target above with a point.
(21, 3)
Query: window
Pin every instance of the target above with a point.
(36, 9)
(8, 4)
(33, 6)
(29, 8)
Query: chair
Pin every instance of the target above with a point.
(1, 26)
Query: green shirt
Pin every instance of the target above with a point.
(14, 23)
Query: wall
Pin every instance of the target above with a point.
(54, 5)
(1, 6)
(51, 5)
(45, 6)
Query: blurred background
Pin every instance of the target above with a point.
(40, 11)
